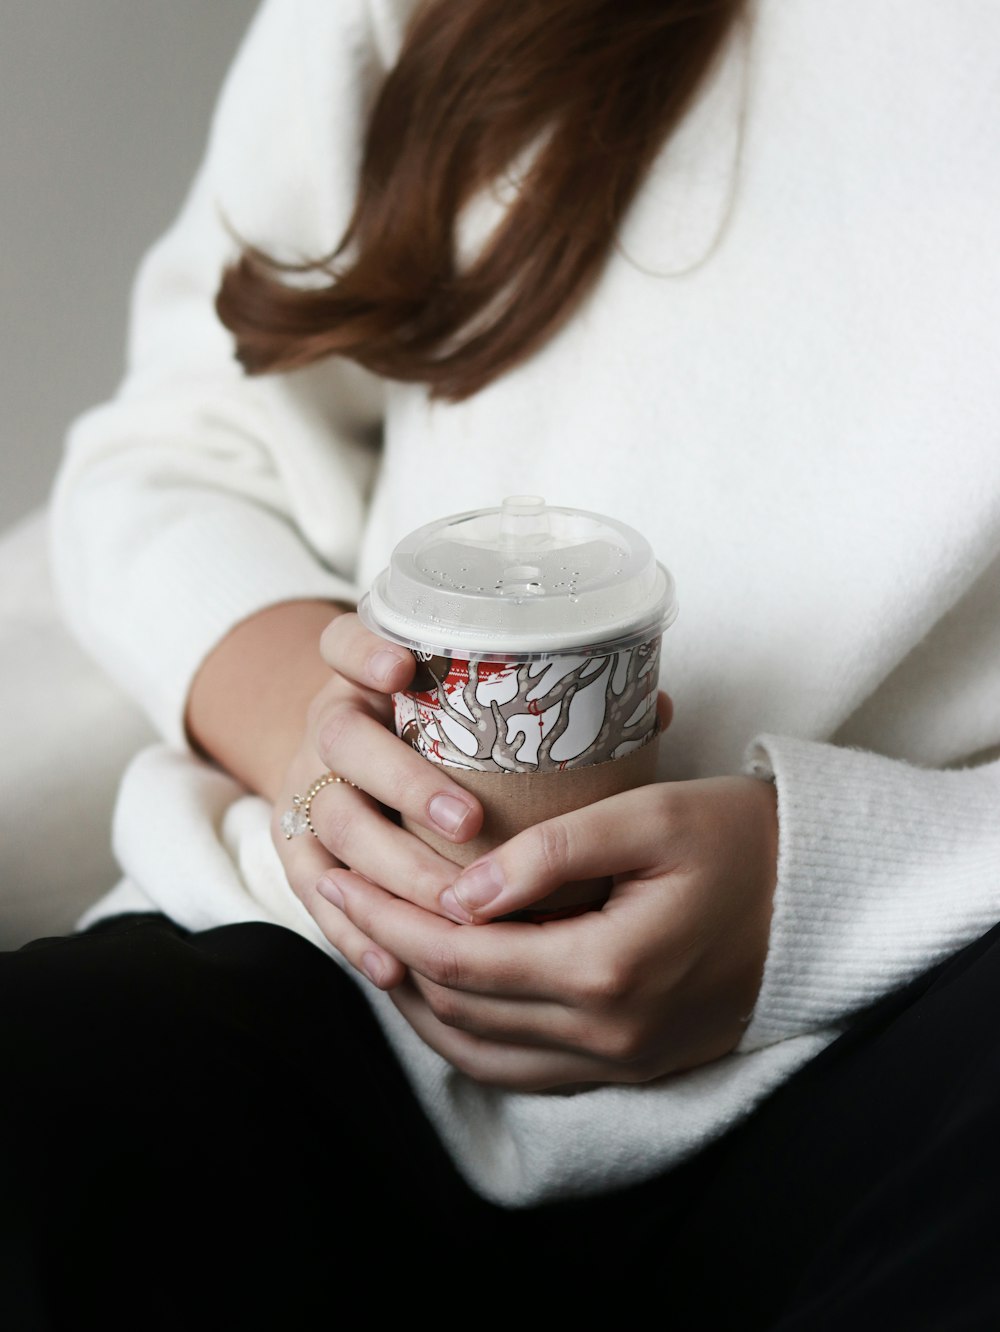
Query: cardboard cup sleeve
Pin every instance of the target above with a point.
(513, 801)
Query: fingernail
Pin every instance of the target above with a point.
(453, 908)
(448, 813)
(479, 885)
(374, 968)
(331, 891)
(381, 664)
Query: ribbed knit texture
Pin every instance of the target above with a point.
(883, 869)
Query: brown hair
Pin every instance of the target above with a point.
(587, 89)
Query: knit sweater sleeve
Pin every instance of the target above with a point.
(197, 496)
(884, 868)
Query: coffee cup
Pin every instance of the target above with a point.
(537, 633)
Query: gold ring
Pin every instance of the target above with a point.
(298, 819)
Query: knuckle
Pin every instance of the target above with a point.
(600, 986)
(425, 885)
(337, 727)
(468, 1060)
(443, 967)
(332, 638)
(316, 712)
(670, 814)
(552, 845)
(397, 786)
(445, 1006)
(477, 1059)
(620, 1043)
(336, 822)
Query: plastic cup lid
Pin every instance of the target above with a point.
(520, 581)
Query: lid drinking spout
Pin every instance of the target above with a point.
(523, 516)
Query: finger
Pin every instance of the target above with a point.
(622, 834)
(508, 960)
(362, 656)
(360, 951)
(358, 833)
(354, 744)
(304, 859)
(509, 1065)
(535, 1022)
(664, 709)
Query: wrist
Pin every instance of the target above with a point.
(249, 702)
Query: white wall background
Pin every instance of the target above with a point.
(104, 105)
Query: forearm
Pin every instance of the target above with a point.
(248, 703)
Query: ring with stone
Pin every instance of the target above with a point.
(298, 819)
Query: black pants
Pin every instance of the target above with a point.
(208, 1130)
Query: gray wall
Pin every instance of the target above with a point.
(104, 105)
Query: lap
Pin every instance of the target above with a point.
(236, 1079)
(219, 1105)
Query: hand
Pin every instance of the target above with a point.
(349, 731)
(662, 978)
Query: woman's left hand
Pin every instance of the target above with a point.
(662, 978)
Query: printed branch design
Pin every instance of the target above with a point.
(488, 724)
(619, 707)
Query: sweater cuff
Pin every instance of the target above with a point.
(883, 870)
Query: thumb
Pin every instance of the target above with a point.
(595, 842)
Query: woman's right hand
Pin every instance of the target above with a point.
(349, 731)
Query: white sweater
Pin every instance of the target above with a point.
(786, 378)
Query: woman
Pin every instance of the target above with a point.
(650, 262)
